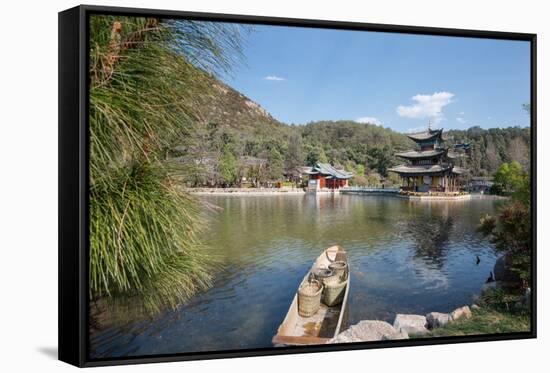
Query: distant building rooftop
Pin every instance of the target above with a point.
(482, 178)
(458, 170)
(327, 169)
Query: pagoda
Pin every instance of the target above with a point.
(429, 168)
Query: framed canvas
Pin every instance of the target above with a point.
(235, 186)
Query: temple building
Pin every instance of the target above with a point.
(323, 176)
(430, 167)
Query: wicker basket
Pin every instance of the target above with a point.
(341, 255)
(333, 292)
(309, 298)
(322, 273)
(339, 268)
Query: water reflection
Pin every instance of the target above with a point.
(430, 236)
(405, 257)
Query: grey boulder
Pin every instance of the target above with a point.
(411, 324)
(503, 273)
(368, 330)
(437, 319)
(462, 312)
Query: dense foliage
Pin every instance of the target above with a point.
(510, 230)
(510, 177)
(270, 151)
(492, 147)
(143, 99)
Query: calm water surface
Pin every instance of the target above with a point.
(405, 257)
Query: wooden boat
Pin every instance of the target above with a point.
(326, 323)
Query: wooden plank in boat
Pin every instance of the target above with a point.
(295, 340)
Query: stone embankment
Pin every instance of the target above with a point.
(245, 191)
(403, 326)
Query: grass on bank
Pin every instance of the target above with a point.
(484, 321)
(501, 310)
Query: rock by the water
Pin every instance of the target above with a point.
(500, 268)
(368, 330)
(491, 285)
(397, 335)
(503, 273)
(411, 324)
(474, 307)
(462, 312)
(437, 319)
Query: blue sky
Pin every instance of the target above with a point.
(401, 81)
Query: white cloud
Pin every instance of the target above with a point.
(427, 106)
(371, 120)
(461, 120)
(274, 78)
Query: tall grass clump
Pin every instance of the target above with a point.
(147, 76)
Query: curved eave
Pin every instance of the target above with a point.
(418, 171)
(424, 136)
(328, 176)
(421, 138)
(404, 173)
(420, 155)
(339, 178)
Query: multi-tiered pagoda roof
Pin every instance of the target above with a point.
(429, 167)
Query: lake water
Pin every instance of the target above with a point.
(405, 257)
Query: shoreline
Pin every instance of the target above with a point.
(244, 191)
(299, 192)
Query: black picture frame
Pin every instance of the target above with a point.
(73, 182)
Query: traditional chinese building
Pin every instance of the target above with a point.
(430, 167)
(480, 184)
(324, 176)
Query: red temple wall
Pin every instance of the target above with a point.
(329, 183)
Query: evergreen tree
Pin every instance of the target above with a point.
(228, 168)
(294, 156)
(275, 164)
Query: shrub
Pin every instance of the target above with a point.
(143, 229)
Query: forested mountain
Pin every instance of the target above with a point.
(355, 146)
(490, 148)
(236, 138)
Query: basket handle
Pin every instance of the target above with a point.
(330, 260)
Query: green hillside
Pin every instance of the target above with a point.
(236, 138)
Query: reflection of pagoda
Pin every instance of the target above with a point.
(431, 237)
(430, 167)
